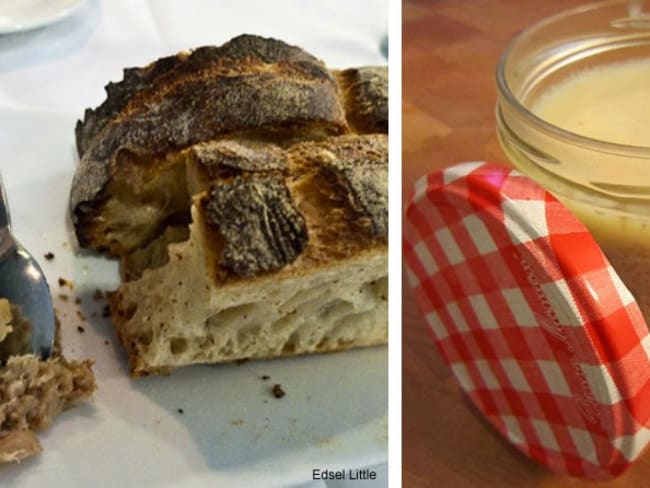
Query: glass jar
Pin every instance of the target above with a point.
(607, 185)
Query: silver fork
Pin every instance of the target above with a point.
(23, 283)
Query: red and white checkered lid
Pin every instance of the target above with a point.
(536, 326)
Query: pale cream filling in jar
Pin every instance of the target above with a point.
(573, 113)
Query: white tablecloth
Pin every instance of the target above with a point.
(62, 68)
(65, 66)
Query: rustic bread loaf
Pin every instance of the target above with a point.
(33, 392)
(244, 188)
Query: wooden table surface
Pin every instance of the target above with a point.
(450, 51)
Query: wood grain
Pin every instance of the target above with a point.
(450, 52)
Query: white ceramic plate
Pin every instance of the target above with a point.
(232, 431)
(21, 15)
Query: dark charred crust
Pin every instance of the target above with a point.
(201, 109)
(117, 96)
(258, 221)
(360, 167)
(137, 81)
(219, 158)
(267, 93)
(83, 217)
(273, 51)
(87, 196)
(367, 98)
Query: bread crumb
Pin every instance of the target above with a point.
(77, 301)
(181, 411)
(265, 377)
(67, 283)
(81, 315)
(106, 342)
(81, 329)
(237, 423)
(63, 297)
(49, 256)
(277, 391)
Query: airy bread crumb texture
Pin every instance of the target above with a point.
(244, 188)
(174, 315)
(33, 392)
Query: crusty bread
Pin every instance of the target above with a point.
(33, 392)
(244, 188)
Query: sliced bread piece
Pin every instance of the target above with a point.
(244, 189)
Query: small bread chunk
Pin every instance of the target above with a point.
(33, 392)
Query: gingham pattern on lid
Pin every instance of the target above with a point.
(536, 326)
